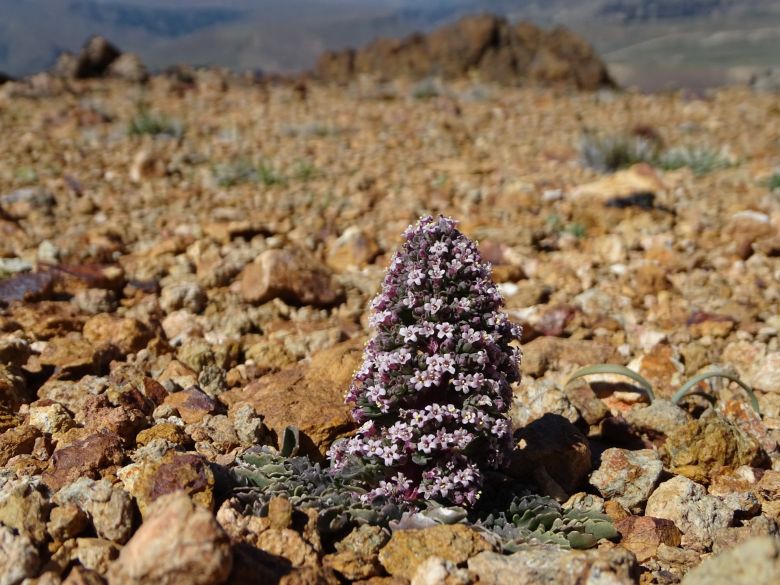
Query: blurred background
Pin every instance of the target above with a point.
(649, 44)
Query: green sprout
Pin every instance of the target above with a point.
(147, 122)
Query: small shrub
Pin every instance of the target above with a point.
(147, 122)
(304, 171)
(433, 392)
(243, 171)
(426, 89)
(701, 160)
(614, 152)
(229, 175)
(268, 176)
(555, 225)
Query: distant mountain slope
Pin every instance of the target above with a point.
(165, 21)
(644, 10)
(289, 35)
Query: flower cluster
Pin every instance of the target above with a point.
(434, 388)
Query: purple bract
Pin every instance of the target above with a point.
(434, 389)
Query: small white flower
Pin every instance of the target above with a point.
(408, 333)
(438, 248)
(432, 307)
(415, 276)
(436, 272)
(426, 443)
(444, 330)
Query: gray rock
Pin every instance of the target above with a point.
(183, 295)
(696, 514)
(661, 417)
(550, 565)
(754, 562)
(95, 300)
(110, 509)
(532, 399)
(365, 540)
(628, 477)
(18, 557)
(248, 425)
(728, 538)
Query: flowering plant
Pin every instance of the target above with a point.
(434, 389)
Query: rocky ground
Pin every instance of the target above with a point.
(187, 266)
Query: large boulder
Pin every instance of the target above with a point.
(308, 397)
(486, 45)
(179, 543)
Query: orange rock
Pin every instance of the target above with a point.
(193, 404)
(643, 534)
(309, 397)
(291, 275)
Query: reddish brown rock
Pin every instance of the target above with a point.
(17, 441)
(662, 368)
(98, 414)
(45, 319)
(74, 354)
(149, 480)
(126, 334)
(743, 229)
(291, 275)
(84, 458)
(353, 566)
(128, 381)
(193, 404)
(73, 278)
(309, 397)
(179, 374)
(544, 353)
(13, 389)
(643, 534)
(287, 544)
(648, 279)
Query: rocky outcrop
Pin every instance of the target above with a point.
(100, 58)
(485, 45)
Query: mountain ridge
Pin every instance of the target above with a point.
(283, 36)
